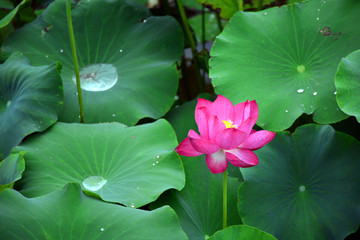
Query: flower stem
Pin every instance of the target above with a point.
(76, 63)
(225, 199)
(192, 43)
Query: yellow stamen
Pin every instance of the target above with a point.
(229, 124)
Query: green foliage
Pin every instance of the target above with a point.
(242, 232)
(69, 214)
(30, 99)
(132, 166)
(306, 185)
(141, 50)
(12, 168)
(347, 82)
(286, 59)
(103, 179)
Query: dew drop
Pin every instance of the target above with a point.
(318, 10)
(144, 21)
(97, 77)
(314, 93)
(132, 205)
(94, 183)
(286, 110)
(102, 229)
(317, 18)
(157, 162)
(61, 50)
(8, 103)
(302, 188)
(47, 56)
(137, 188)
(300, 68)
(335, 92)
(157, 156)
(265, 13)
(114, 115)
(121, 50)
(153, 164)
(300, 90)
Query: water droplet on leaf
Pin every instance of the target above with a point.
(97, 77)
(94, 183)
(61, 50)
(300, 90)
(314, 93)
(102, 229)
(8, 103)
(302, 188)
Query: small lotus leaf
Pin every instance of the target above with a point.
(347, 81)
(241, 232)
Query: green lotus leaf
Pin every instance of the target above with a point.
(211, 26)
(286, 58)
(199, 204)
(30, 100)
(69, 214)
(227, 7)
(306, 186)
(8, 18)
(347, 82)
(11, 168)
(127, 60)
(241, 232)
(131, 166)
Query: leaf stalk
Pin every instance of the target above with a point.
(76, 63)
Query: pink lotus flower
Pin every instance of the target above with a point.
(226, 134)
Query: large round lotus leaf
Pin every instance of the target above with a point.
(286, 58)
(241, 232)
(199, 204)
(30, 100)
(132, 166)
(306, 186)
(127, 59)
(347, 82)
(69, 214)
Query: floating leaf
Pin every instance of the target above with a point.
(199, 204)
(306, 185)
(127, 60)
(132, 166)
(69, 214)
(30, 100)
(241, 232)
(347, 81)
(11, 168)
(286, 58)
